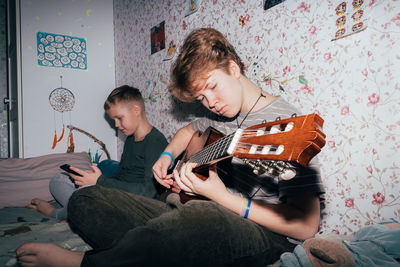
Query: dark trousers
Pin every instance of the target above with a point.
(129, 230)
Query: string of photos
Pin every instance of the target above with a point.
(62, 100)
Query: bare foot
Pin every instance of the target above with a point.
(41, 206)
(393, 225)
(47, 255)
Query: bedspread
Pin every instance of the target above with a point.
(21, 225)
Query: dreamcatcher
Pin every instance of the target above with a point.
(62, 100)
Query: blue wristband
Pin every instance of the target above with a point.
(246, 213)
(172, 157)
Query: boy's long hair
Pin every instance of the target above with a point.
(204, 50)
(124, 94)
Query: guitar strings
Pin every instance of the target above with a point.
(211, 151)
(218, 149)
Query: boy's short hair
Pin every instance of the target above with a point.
(204, 50)
(124, 94)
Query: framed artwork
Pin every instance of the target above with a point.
(57, 50)
(270, 3)
(157, 36)
(193, 6)
(171, 51)
(350, 18)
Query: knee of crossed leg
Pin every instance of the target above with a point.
(78, 202)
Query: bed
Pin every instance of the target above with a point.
(23, 179)
(20, 181)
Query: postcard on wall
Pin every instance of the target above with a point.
(350, 18)
(157, 36)
(193, 6)
(171, 51)
(267, 4)
(57, 50)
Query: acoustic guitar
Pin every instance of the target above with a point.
(268, 147)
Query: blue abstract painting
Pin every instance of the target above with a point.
(57, 50)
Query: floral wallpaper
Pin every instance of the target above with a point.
(352, 83)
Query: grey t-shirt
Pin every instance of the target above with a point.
(239, 177)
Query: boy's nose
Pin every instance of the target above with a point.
(211, 102)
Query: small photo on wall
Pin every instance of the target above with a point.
(350, 18)
(193, 6)
(157, 36)
(267, 4)
(171, 51)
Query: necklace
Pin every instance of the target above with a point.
(245, 117)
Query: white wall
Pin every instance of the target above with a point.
(93, 21)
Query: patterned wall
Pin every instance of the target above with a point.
(353, 83)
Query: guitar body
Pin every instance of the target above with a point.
(196, 144)
(267, 147)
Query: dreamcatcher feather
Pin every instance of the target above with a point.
(62, 100)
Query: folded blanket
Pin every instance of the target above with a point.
(374, 245)
(23, 179)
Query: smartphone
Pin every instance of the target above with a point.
(66, 167)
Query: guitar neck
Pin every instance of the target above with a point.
(268, 147)
(217, 151)
(296, 139)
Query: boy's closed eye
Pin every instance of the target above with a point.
(200, 98)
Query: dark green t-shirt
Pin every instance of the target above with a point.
(134, 172)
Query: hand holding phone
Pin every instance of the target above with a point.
(67, 168)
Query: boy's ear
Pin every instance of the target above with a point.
(234, 69)
(137, 108)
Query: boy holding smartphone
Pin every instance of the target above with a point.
(142, 148)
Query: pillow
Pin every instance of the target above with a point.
(108, 167)
(24, 179)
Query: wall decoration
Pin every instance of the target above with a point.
(56, 50)
(157, 35)
(243, 19)
(193, 6)
(96, 158)
(171, 51)
(350, 17)
(62, 100)
(270, 3)
(155, 86)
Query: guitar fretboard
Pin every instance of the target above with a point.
(216, 150)
(228, 144)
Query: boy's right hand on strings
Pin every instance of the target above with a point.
(189, 182)
(160, 169)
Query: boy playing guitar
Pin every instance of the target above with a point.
(249, 221)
